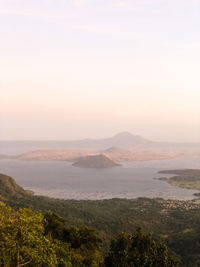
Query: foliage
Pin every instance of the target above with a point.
(174, 222)
(54, 225)
(138, 250)
(84, 243)
(27, 238)
(22, 241)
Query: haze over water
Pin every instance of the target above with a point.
(89, 69)
(136, 179)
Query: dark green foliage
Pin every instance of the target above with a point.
(54, 225)
(109, 217)
(83, 241)
(29, 239)
(138, 250)
(83, 236)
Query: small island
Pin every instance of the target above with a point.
(96, 161)
(188, 178)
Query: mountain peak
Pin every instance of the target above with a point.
(125, 135)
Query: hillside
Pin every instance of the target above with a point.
(9, 188)
(173, 221)
(96, 161)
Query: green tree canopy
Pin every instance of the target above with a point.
(138, 250)
(22, 240)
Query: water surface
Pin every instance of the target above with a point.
(61, 180)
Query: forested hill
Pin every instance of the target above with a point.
(173, 222)
(9, 188)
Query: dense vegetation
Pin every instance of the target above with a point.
(175, 223)
(29, 239)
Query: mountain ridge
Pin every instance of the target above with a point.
(125, 140)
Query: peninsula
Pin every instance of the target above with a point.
(187, 178)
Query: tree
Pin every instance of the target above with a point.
(54, 225)
(138, 250)
(22, 240)
(79, 245)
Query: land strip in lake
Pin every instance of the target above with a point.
(188, 178)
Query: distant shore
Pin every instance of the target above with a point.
(187, 179)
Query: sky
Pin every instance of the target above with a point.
(72, 69)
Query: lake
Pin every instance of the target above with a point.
(60, 179)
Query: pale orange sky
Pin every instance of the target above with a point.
(77, 69)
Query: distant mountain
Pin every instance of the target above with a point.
(9, 188)
(97, 161)
(127, 138)
(123, 140)
(136, 143)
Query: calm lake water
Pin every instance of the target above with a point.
(135, 179)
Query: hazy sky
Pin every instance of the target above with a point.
(72, 69)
